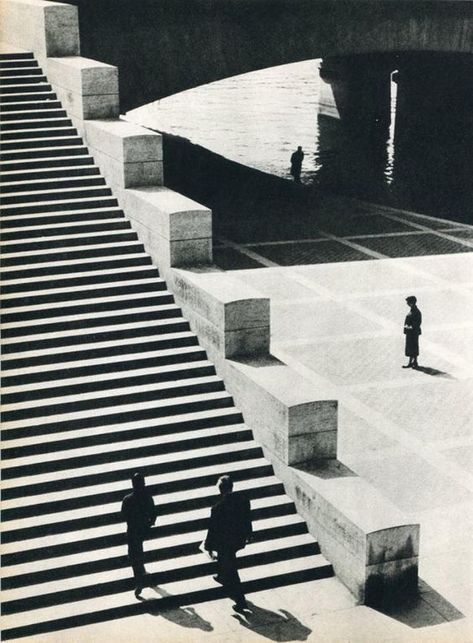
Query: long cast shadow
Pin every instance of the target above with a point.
(182, 616)
(434, 372)
(424, 609)
(278, 626)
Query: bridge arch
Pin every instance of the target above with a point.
(162, 47)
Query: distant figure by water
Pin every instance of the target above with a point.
(296, 164)
(229, 530)
(412, 330)
(139, 512)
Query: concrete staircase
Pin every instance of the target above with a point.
(103, 377)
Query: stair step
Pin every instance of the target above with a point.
(19, 249)
(22, 87)
(74, 292)
(20, 80)
(31, 125)
(158, 548)
(87, 455)
(101, 366)
(16, 137)
(71, 265)
(120, 468)
(214, 421)
(7, 70)
(105, 604)
(77, 159)
(22, 187)
(49, 173)
(62, 565)
(60, 218)
(57, 147)
(78, 203)
(86, 402)
(171, 520)
(85, 384)
(43, 96)
(129, 331)
(65, 566)
(120, 413)
(58, 194)
(25, 233)
(33, 114)
(30, 105)
(17, 63)
(32, 284)
(106, 348)
(15, 301)
(92, 320)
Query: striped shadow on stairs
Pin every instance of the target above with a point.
(103, 377)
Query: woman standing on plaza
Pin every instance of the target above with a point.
(412, 331)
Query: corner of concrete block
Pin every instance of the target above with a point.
(61, 26)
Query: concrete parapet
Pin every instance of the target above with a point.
(175, 230)
(86, 88)
(288, 416)
(371, 546)
(46, 28)
(229, 318)
(128, 155)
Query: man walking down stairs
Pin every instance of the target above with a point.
(102, 377)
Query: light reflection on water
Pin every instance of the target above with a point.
(259, 119)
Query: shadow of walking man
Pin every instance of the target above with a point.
(278, 626)
(182, 616)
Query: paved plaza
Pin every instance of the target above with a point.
(409, 433)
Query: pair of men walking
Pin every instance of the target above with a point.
(229, 530)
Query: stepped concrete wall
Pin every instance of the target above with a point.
(372, 548)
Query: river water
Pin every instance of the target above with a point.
(259, 119)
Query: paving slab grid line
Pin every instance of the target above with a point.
(407, 432)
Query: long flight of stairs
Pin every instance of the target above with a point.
(103, 377)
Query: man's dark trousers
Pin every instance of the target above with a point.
(227, 573)
(136, 556)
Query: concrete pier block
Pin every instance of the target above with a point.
(229, 318)
(284, 410)
(46, 28)
(87, 88)
(373, 548)
(128, 155)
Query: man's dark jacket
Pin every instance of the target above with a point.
(230, 523)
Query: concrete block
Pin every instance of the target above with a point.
(45, 28)
(288, 417)
(173, 216)
(87, 107)
(125, 175)
(316, 446)
(223, 301)
(372, 547)
(123, 141)
(83, 75)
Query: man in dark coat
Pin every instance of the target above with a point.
(229, 530)
(139, 512)
(296, 164)
(412, 331)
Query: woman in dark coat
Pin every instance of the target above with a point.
(412, 331)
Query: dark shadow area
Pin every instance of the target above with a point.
(423, 609)
(248, 205)
(276, 626)
(428, 370)
(182, 616)
(258, 362)
(326, 469)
